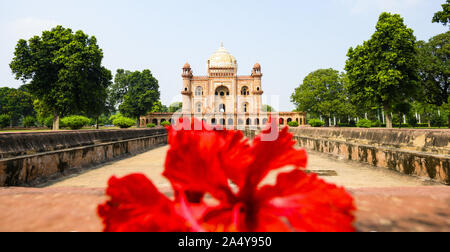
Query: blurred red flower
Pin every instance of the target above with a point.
(224, 165)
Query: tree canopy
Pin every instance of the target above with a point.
(383, 71)
(158, 107)
(175, 107)
(444, 15)
(65, 71)
(267, 108)
(16, 103)
(434, 69)
(322, 94)
(136, 92)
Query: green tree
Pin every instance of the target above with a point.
(158, 107)
(16, 103)
(268, 108)
(175, 107)
(444, 15)
(383, 71)
(322, 94)
(140, 92)
(64, 70)
(434, 70)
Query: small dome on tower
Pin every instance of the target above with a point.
(257, 66)
(186, 66)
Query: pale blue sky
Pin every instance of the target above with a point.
(288, 38)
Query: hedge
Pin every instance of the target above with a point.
(316, 123)
(29, 122)
(75, 122)
(293, 124)
(165, 123)
(364, 123)
(124, 122)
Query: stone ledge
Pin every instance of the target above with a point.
(29, 143)
(38, 168)
(422, 140)
(426, 165)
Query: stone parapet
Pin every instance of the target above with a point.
(421, 164)
(20, 144)
(432, 141)
(77, 150)
(421, 153)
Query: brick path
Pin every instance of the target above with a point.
(386, 201)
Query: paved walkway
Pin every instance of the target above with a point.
(344, 173)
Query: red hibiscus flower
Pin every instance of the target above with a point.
(230, 169)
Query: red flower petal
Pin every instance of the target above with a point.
(309, 203)
(269, 156)
(202, 161)
(137, 206)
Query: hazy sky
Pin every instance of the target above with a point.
(288, 38)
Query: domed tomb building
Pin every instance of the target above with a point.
(222, 97)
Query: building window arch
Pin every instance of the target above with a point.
(222, 108)
(198, 107)
(222, 122)
(249, 122)
(230, 121)
(213, 121)
(199, 91)
(245, 91)
(246, 107)
(222, 91)
(155, 121)
(265, 121)
(240, 122)
(257, 122)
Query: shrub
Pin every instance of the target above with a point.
(403, 125)
(48, 122)
(29, 122)
(293, 124)
(364, 123)
(5, 120)
(343, 125)
(316, 123)
(75, 122)
(151, 125)
(124, 122)
(165, 123)
(377, 124)
(422, 125)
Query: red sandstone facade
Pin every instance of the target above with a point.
(224, 98)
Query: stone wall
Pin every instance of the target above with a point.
(31, 158)
(429, 141)
(422, 153)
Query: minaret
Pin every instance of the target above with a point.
(257, 89)
(187, 89)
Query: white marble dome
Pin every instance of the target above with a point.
(222, 59)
